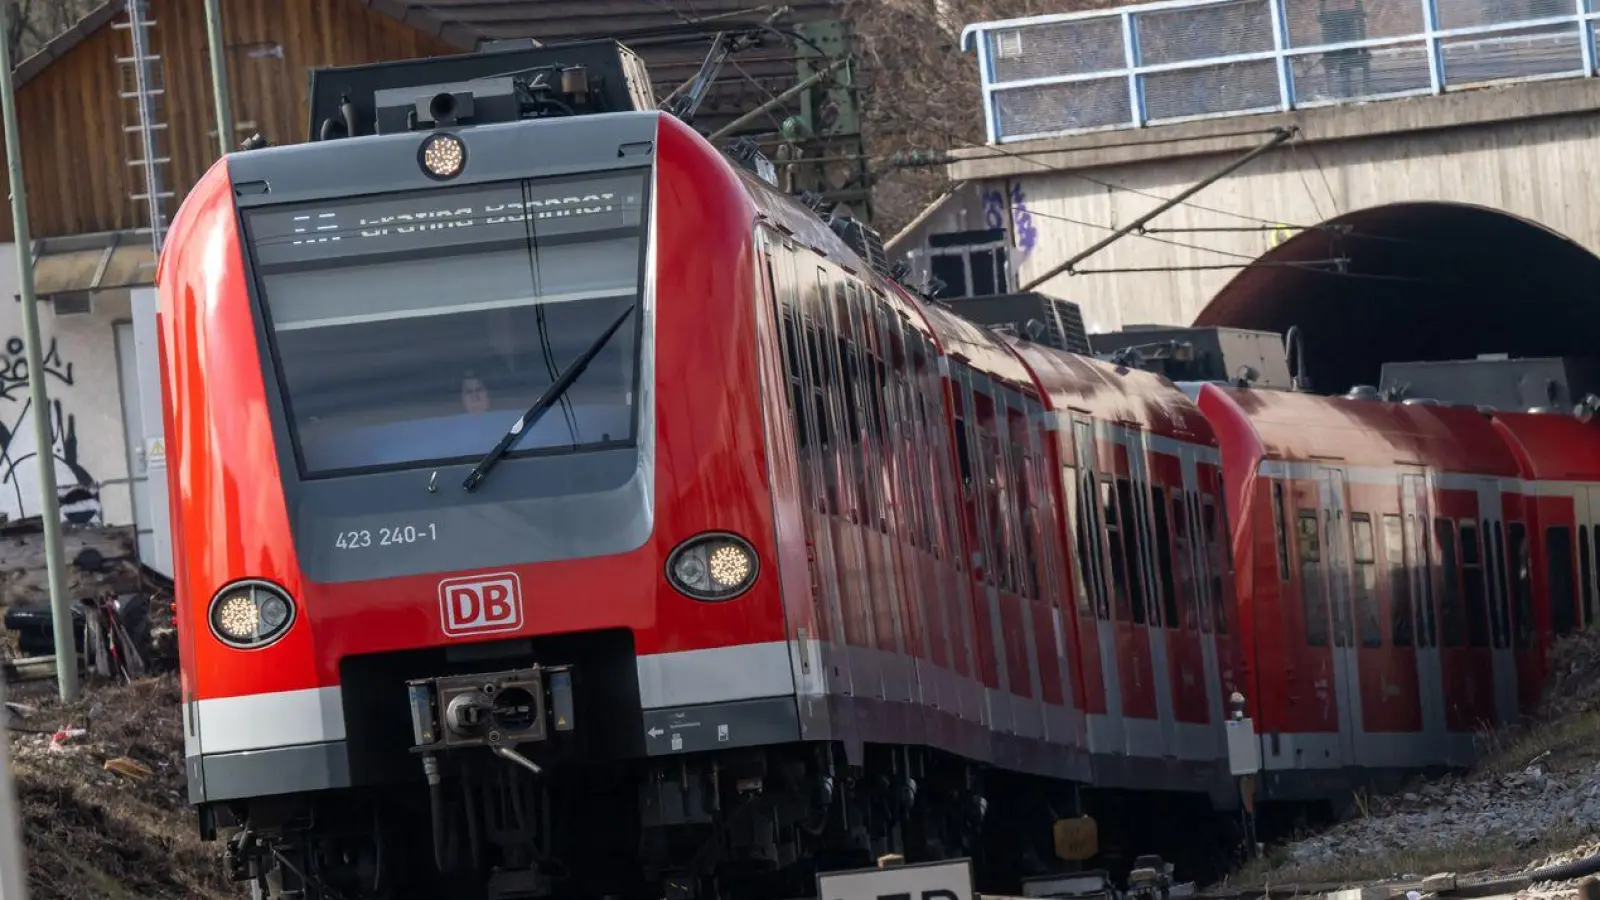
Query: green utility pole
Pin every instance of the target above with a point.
(830, 156)
(219, 75)
(49, 500)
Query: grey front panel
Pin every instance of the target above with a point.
(529, 510)
(419, 520)
(260, 773)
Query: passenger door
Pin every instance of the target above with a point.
(1142, 531)
(1430, 671)
(1102, 679)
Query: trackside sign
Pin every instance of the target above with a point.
(950, 880)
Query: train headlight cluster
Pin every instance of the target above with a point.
(713, 567)
(251, 614)
(443, 156)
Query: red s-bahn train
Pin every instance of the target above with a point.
(559, 509)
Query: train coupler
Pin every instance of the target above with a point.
(494, 710)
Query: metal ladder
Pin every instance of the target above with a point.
(141, 83)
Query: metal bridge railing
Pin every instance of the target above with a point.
(1179, 60)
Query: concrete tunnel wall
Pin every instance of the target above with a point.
(1472, 209)
(1423, 281)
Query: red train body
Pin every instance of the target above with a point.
(797, 569)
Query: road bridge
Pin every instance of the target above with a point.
(1433, 202)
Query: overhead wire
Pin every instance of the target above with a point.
(1259, 223)
(1072, 173)
(1149, 237)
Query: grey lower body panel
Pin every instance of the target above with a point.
(261, 773)
(721, 726)
(771, 721)
(857, 720)
(1290, 785)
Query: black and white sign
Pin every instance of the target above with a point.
(951, 880)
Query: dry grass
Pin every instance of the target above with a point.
(92, 834)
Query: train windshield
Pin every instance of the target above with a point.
(413, 329)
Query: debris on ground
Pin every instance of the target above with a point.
(104, 799)
(1532, 801)
(122, 615)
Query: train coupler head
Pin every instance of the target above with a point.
(495, 710)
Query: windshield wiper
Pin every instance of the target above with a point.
(546, 400)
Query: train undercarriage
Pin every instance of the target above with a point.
(505, 800)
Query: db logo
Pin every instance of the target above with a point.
(480, 604)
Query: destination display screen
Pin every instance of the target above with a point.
(503, 212)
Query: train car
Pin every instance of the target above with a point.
(1560, 460)
(1372, 547)
(408, 599)
(1140, 479)
(560, 509)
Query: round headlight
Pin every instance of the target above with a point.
(248, 615)
(713, 567)
(443, 156)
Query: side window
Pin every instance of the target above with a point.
(1595, 536)
(1472, 587)
(1585, 575)
(1204, 602)
(1422, 586)
(1131, 545)
(1563, 607)
(1087, 525)
(1169, 593)
(1449, 582)
(1281, 531)
(1025, 553)
(1314, 599)
(1367, 609)
(1072, 493)
(1522, 582)
(1399, 581)
(1114, 542)
(1217, 554)
(1185, 562)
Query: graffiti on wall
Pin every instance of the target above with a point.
(19, 464)
(1025, 233)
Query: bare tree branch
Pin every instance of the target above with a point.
(924, 92)
(34, 23)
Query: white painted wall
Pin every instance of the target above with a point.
(90, 450)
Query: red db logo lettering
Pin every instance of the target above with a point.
(480, 604)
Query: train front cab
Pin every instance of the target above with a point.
(275, 388)
(1556, 565)
(1373, 545)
